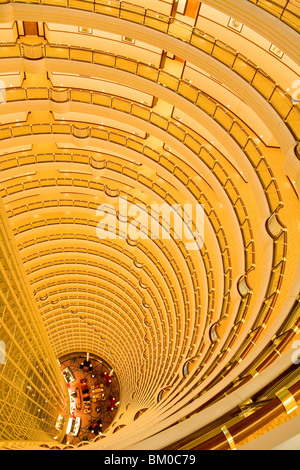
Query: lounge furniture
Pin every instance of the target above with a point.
(68, 375)
(73, 426)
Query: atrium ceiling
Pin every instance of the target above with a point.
(162, 103)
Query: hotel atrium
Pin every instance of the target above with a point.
(191, 340)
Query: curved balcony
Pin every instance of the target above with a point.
(205, 103)
(261, 82)
(286, 11)
(192, 335)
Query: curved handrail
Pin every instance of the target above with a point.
(249, 249)
(289, 13)
(281, 101)
(224, 252)
(76, 128)
(215, 110)
(135, 175)
(179, 134)
(208, 271)
(211, 351)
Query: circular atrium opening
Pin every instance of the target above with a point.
(94, 394)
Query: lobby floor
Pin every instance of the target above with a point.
(98, 375)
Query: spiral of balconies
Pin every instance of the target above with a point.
(184, 330)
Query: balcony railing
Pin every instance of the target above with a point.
(281, 101)
(204, 102)
(287, 11)
(134, 109)
(244, 311)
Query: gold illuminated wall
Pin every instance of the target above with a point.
(159, 103)
(32, 393)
